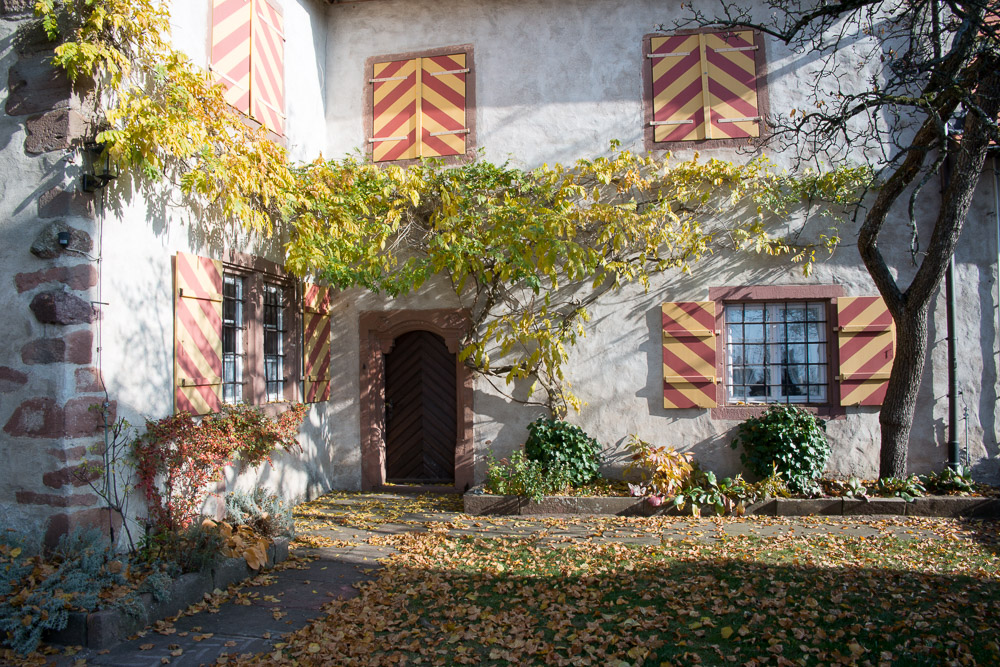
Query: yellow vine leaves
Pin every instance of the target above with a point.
(163, 117)
(525, 251)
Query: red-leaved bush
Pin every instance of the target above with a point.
(178, 456)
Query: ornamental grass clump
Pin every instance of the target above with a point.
(788, 440)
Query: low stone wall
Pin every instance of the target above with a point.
(104, 628)
(939, 506)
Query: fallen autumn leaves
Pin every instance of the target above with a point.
(574, 591)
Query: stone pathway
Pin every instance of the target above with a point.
(254, 620)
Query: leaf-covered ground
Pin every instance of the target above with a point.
(660, 591)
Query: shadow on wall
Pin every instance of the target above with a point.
(988, 468)
(501, 412)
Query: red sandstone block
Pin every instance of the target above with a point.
(36, 418)
(11, 379)
(78, 475)
(82, 421)
(88, 380)
(77, 277)
(79, 347)
(56, 500)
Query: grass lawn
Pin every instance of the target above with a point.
(785, 599)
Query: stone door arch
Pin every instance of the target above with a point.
(378, 332)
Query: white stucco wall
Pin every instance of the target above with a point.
(555, 81)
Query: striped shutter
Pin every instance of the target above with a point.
(678, 102)
(316, 342)
(394, 110)
(689, 375)
(732, 84)
(231, 50)
(268, 57)
(866, 337)
(442, 105)
(197, 334)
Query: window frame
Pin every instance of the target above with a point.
(763, 101)
(256, 273)
(723, 296)
(368, 96)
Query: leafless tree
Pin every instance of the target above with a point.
(928, 102)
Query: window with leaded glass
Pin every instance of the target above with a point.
(776, 352)
(274, 342)
(233, 334)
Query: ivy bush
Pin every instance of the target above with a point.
(558, 444)
(788, 440)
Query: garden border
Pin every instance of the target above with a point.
(105, 628)
(930, 506)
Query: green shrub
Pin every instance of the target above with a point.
(906, 488)
(663, 470)
(558, 444)
(949, 481)
(520, 476)
(786, 439)
(193, 549)
(266, 513)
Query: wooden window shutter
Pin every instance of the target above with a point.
(732, 84)
(267, 92)
(443, 126)
(231, 27)
(866, 337)
(689, 372)
(394, 110)
(678, 102)
(197, 334)
(316, 343)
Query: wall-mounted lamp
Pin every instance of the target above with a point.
(99, 171)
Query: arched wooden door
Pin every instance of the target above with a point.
(421, 423)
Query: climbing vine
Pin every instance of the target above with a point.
(525, 252)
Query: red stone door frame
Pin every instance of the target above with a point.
(378, 331)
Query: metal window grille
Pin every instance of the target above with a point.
(233, 330)
(274, 341)
(776, 352)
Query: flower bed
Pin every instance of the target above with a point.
(940, 506)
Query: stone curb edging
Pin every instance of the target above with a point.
(929, 506)
(107, 627)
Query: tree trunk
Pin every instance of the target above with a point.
(896, 417)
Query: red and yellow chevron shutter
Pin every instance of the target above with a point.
(689, 375)
(267, 93)
(316, 342)
(231, 49)
(678, 106)
(197, 334)
(442, 105)
(732, 84)
(703, 75)
(866, 337)
(394, 115)
(422, 97)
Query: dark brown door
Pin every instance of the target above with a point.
(421, 424)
